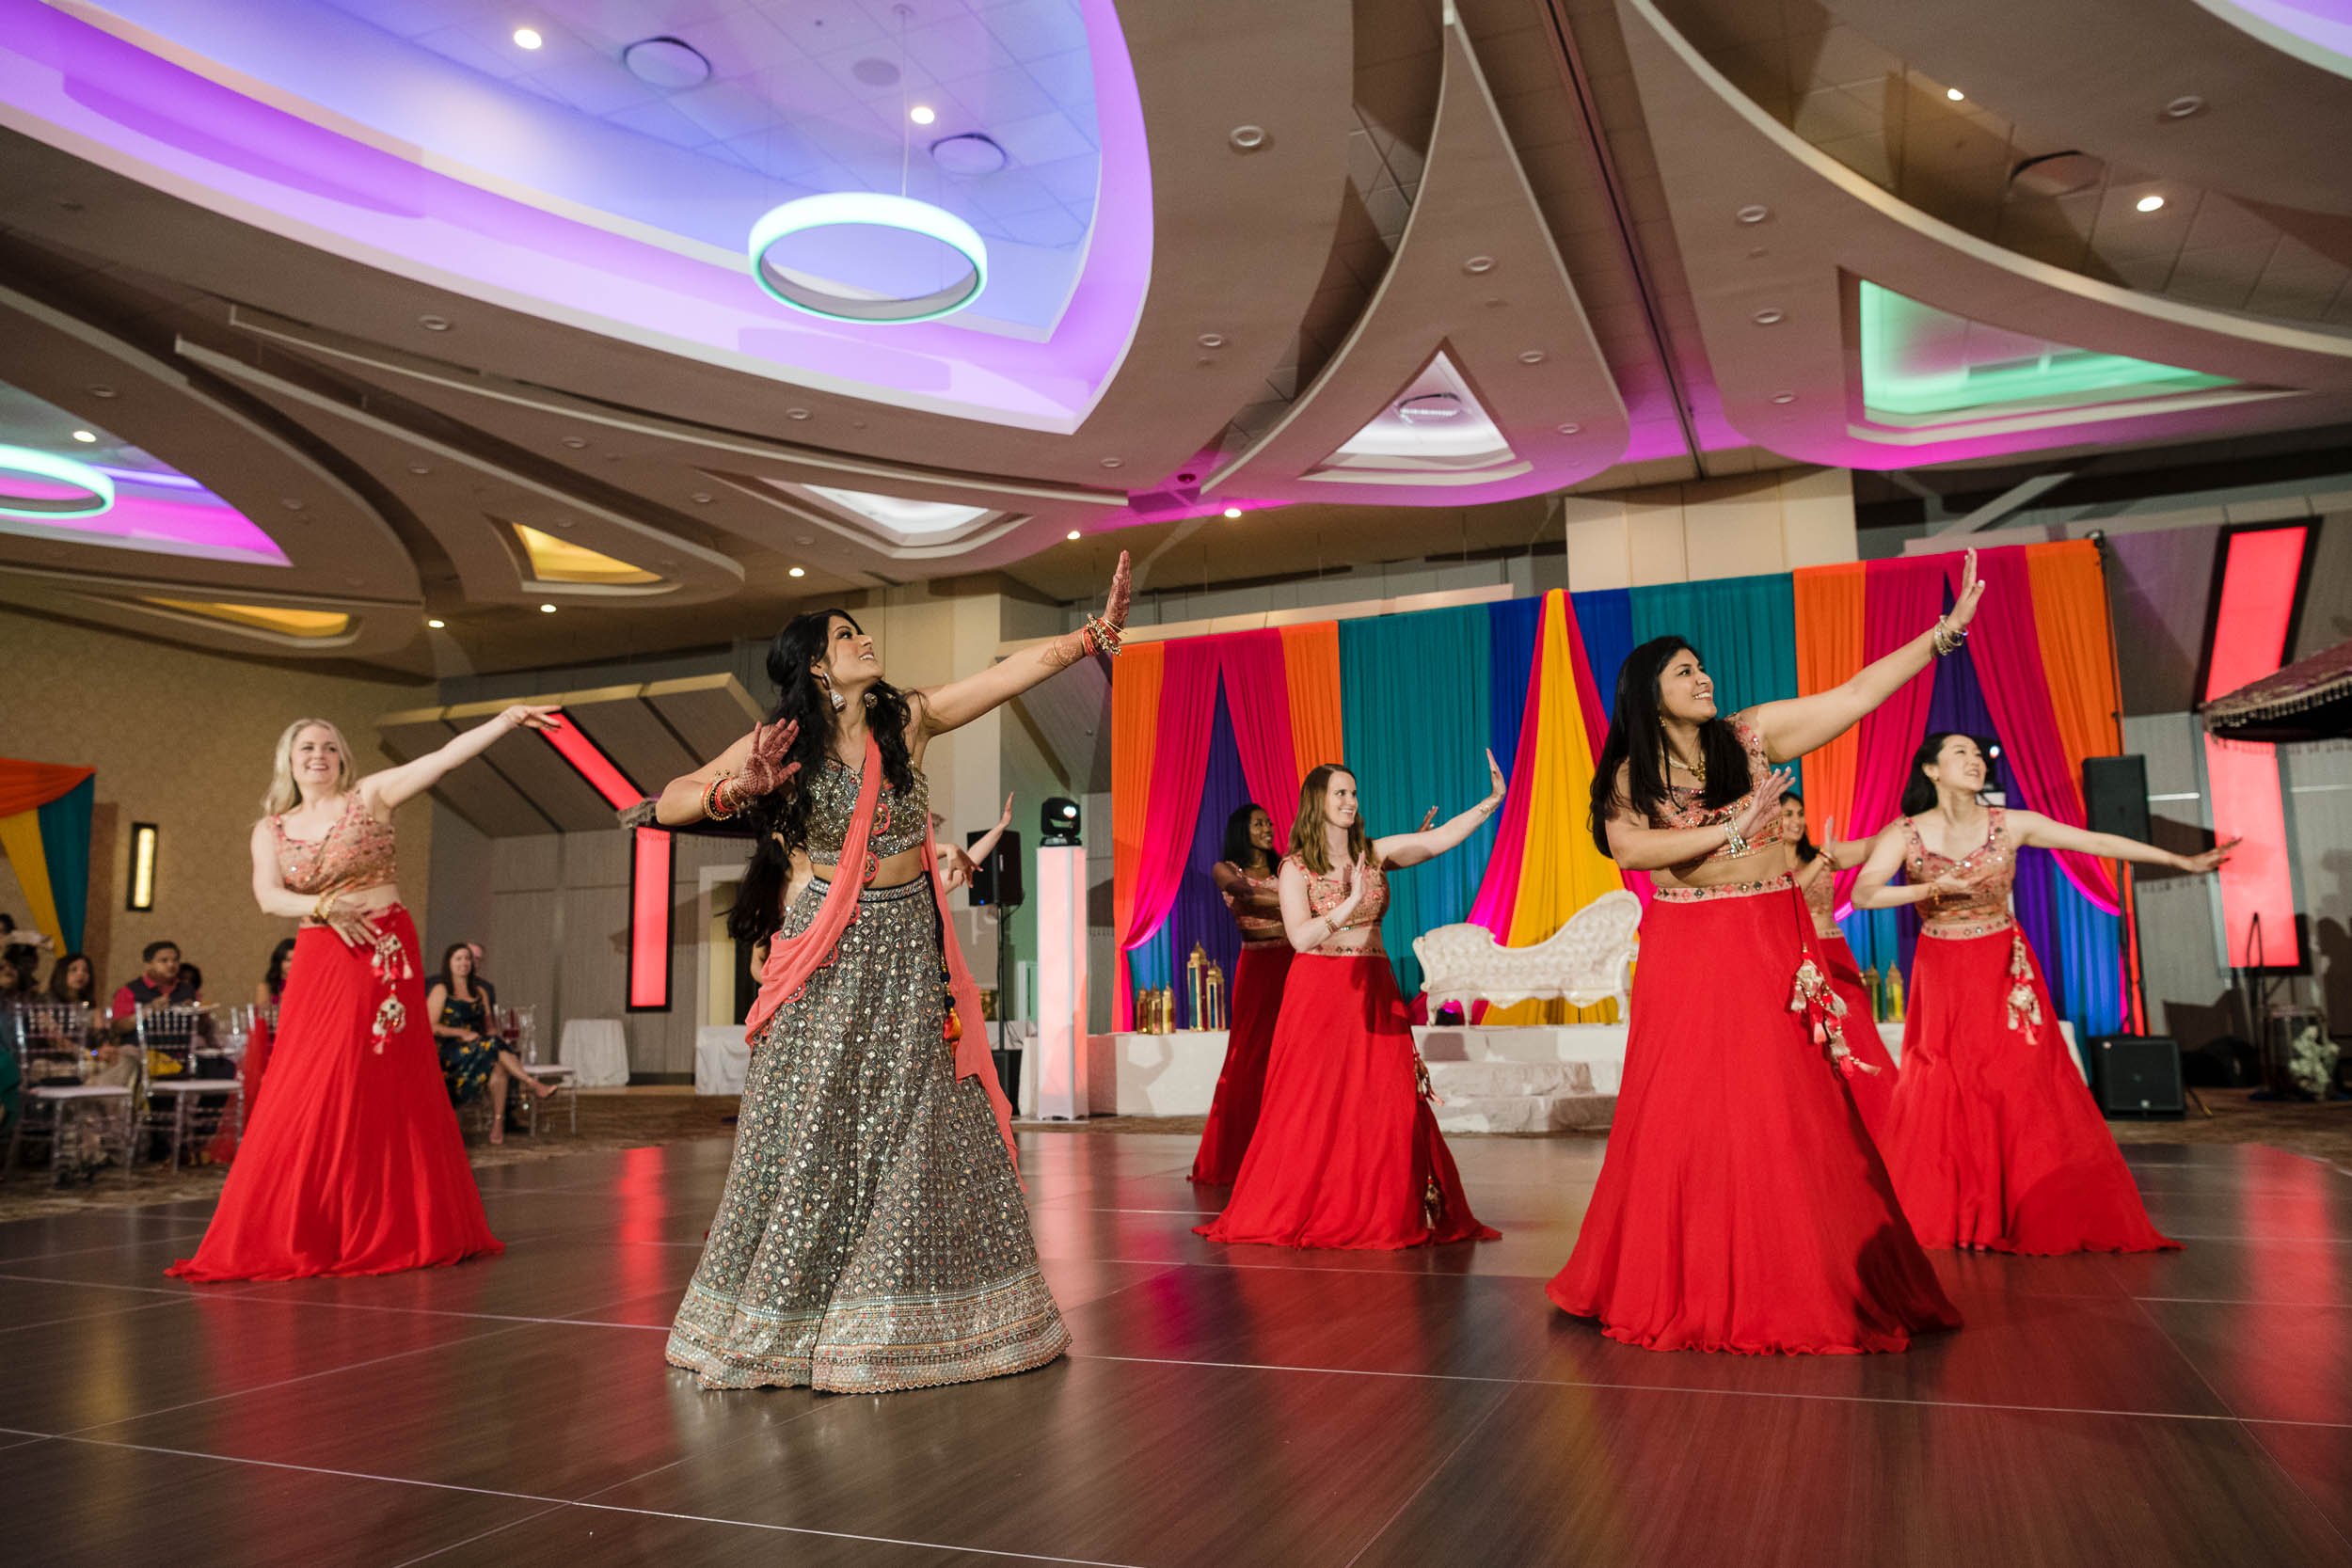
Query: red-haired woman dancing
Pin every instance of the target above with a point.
(1994, 1141)
(1348, 1154)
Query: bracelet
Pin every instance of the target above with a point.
(1104, 637)
(1948, 640)
(1733, 841)
(715, 800)
(320, 910)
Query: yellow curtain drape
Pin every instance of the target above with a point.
(20, 842)
(1560, 870)
(1829, 602)
(1310, 661)
(1136, 678)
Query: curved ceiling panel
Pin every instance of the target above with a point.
(1775, 234)
(1477, 280)
(2107, 74)
(257, 512)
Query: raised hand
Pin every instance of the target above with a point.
(1764, 807)
(2211, 859)
(1122, 591)
(767, 769)
(1971, 590)
(1494, 771)
(524, 716)
(1006, 820)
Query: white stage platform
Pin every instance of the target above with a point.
(1529, 1079)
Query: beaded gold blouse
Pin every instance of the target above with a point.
(1325, 894)
(1684, 808)
(1256, 928)
(356, 853)
(1988, 869)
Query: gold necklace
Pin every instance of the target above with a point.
(1696, 769)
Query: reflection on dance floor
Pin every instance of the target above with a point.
(1222, 1405)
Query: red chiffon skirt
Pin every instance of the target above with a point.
(353, 1164)
(1994, 1141)
(1740, 1206)
(1347, 1154)
(1873, 1092)
(1241, 1084)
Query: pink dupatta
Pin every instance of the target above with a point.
(793, 960)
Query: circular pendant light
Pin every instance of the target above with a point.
(846, 210)
(21, 463)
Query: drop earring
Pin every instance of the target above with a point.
(830, 695)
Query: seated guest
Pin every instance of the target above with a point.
(74, 978)
(482, 982)
(460, 1006)
(12, 940)
(160, 981)
(271, 987)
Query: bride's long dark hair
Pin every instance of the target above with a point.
(1637, 740)
(782, 817)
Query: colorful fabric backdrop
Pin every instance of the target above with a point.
(44, 832)
(1411, 702)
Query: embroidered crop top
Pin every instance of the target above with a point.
(1820, 892)
(899, 820)
(1257, 928)
(1988, 869)
(356, 853)
(1325, 894)
(1685, 809)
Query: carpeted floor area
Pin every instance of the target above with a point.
(634, 1119)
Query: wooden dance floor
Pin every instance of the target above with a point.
(1224, 1406)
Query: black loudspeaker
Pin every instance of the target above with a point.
(997, 878)
(2115, 796)
(2136, 1076)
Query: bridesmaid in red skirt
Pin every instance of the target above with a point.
(1816, 869)
(1246, 878)
(1741, 1205)
(1348, 1154)
(1994, 1142)
(353, 1163)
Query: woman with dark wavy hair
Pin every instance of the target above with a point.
(1741, 1205)
(1246, 877)
(1993, 1140)
(871, 1236)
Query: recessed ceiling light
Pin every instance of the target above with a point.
(528, 38)
(1755, 212)
(100, 391)
(1784, 397)
(1233, 512)
(1211, 339)
(2150, 203)
(434, 324)
(419, 467)
(1429, 407)
(85, 436)
(2182, 107)
(922, 114)
(436, 624)
(574, 442)
(1247, 138)
(1570, 429)
(1478, 264)
(1114, 462)
(547, 609)
(968, 153)
(1955, 95)
(796, 413)
(291, 503)
(1073, 533)
(1531, 356)
(671, 64)
(1766, 318)
(797, 572)
(702, 498)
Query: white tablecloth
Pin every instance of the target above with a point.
(721, 1058)
(597, 1050)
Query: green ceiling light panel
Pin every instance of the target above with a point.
(1921, 365)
